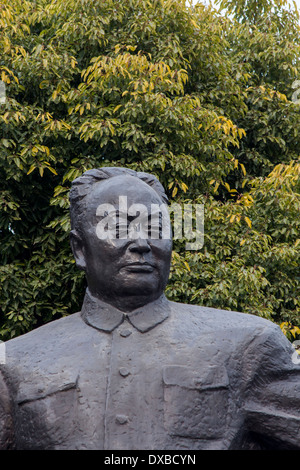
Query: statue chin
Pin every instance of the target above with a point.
(129, 289)
(128, 299)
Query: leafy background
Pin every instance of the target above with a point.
(201, 99)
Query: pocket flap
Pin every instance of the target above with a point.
(211, 377)
(36, 388)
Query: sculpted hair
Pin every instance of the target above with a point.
(81, 186)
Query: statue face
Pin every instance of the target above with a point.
(126, 265)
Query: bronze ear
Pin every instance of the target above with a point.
(77, 249)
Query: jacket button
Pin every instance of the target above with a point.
(121, 419)
(125, 333)
(124, 372)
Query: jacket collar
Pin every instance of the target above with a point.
(105, 317)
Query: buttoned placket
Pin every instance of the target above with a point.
(121, 387)
(125, 422)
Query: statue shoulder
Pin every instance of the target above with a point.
(49, 337)
(220, 319)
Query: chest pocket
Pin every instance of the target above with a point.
(47, 411)
(195, 405)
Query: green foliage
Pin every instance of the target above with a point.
(203, 102)
(291, 332)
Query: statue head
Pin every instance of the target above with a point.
(121, 235)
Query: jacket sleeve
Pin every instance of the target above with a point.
(6, 427)
(272, 404)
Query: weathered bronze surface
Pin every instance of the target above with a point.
(133, 370)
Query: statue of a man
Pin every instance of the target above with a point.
(133, 370)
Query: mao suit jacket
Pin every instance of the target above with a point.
(165, 376)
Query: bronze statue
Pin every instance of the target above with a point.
(133, 370)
